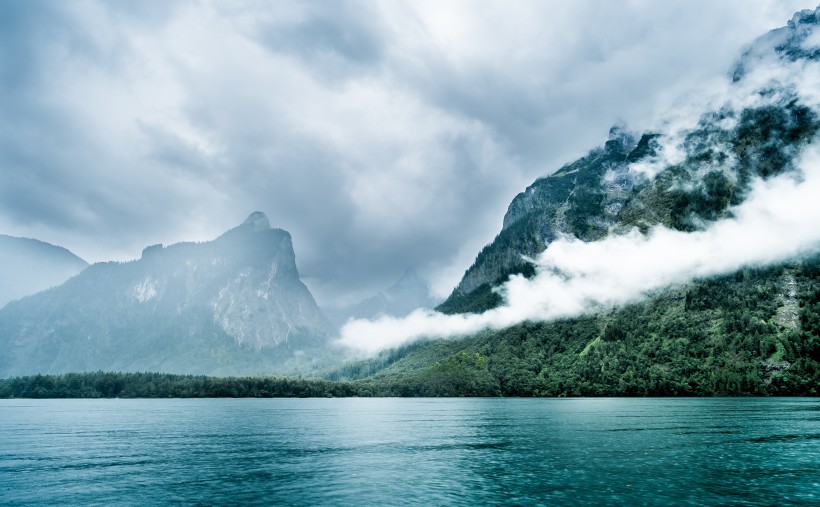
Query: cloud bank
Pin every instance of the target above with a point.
(778, 221)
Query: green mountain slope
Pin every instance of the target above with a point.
(631, 181)
(755, 332)
(602, 194)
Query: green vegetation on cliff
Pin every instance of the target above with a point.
(601, 193)
(755, 332)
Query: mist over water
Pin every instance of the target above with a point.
(409, 451)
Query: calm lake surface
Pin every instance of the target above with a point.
(410, 451)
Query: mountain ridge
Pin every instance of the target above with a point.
(231, 305)
(409, 292)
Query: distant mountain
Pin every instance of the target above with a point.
(408, 293)
(28, 266)
(234, 305)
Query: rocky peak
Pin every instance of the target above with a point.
(803, 18)
(232, 305)
(258, 221)
(409, 284)
(151, 251)
(408, 293)
(798, 40)
(621, 137)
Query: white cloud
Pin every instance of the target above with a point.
(777, 222)
(383, 135)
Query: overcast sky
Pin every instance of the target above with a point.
(382, 135)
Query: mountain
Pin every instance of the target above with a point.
(755, 331)
(408, 293)
(797, 41)
(28, 266)
(234, 305)
(628, 182)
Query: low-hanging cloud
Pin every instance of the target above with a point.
(778, 221)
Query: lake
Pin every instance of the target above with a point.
(739, 451)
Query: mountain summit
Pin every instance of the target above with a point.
(234, 305)
(408, 293)
(798, 40)
(258, 220)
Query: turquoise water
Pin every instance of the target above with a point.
(410, 451)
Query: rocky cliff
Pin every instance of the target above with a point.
(233, 305)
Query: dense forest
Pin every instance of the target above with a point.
(161, 385)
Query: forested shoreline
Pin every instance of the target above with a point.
(755, 332)
(164, 385)
(98, 385)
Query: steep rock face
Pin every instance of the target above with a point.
(28, 266)
(683, 179)
(587, 198)
(798, 40)
(580, 199)
(263, 302)
(231, 305)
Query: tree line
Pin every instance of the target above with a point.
(162, 385)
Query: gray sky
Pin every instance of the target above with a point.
(382, 135)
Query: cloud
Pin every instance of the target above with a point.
(382, 135)
(778, 221)
(337, 40)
